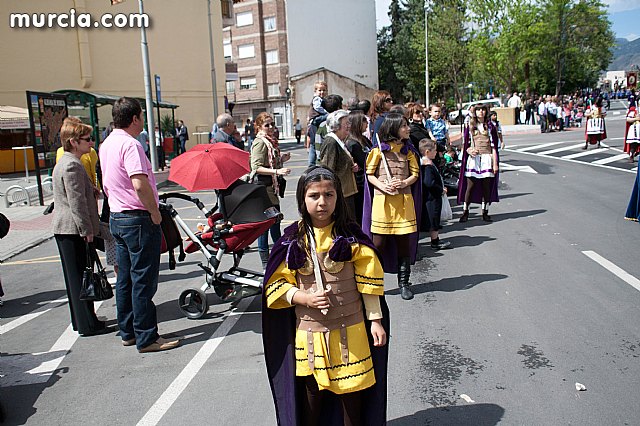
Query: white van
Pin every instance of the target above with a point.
(454, 115)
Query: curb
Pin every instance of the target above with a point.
(25, 247)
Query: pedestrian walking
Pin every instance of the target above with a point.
(130, 186)
(267, 167)
(479, 168)
(298, 131)
(182, 133)
(325, 277)
(391, 216)
(75, 222)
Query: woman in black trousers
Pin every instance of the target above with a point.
(75, 221)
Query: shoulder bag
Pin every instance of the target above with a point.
(95, 285)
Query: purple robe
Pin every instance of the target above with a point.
(278, 339)
(390, 253)
(476, 194)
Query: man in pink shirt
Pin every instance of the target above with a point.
(129, 183)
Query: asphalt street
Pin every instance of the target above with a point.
(502, 327)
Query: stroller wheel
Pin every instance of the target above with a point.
(193, 303)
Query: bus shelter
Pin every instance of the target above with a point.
(91, 101)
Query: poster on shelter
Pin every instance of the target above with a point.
(47, 111)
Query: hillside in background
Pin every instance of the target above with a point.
(625, 54)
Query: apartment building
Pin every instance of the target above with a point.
(257, 69)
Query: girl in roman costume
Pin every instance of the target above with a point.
(595, 130)
(480, 164)
(632, 133)
(325, 321)
(391, 214)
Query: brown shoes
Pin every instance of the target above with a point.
(159, 345)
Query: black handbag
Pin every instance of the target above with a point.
(282, 185)
(95, 285)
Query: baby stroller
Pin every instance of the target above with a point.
(245, 213)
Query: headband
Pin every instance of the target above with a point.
(319, 171)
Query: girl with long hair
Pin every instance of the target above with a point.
(480, 164)
(391, 216)
(325, 273)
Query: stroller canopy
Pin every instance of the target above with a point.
(244, 202)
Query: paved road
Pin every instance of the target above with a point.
(511, 318)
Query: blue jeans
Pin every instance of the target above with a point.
(138, 256)
(263, 240)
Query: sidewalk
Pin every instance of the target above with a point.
(29, 227)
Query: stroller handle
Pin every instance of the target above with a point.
(194, 200)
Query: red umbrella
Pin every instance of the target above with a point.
(209, 166)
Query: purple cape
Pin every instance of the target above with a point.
(476, 194)
(390, 253)
(278, 339)
(633, 209)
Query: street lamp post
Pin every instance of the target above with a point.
(470, 87)
(147, 91)
(214, 91)
(426, 57)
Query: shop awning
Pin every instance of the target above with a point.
(13, 118)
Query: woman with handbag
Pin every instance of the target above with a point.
(266, 165)
(75, 222)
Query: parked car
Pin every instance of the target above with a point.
(454, 116)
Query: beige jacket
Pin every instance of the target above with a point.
(76, 208)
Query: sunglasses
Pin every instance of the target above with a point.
(268, 125)
(87, 139)
(388, 100)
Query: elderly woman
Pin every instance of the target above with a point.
(335, 155)
(75, 221)
(266, 164)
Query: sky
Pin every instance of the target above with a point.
(622, 14)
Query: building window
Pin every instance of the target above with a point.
(270, 23)
(274, 89)
(248, 83)
(228, 52)
(272, 56)
(231, 87)
(243, 19)
(227, 8)
(246, 51)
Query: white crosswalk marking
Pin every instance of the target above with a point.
(564, 148)
(611, 159)
(584, 153)
(544, 145)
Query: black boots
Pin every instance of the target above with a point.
(485, 216)
(404, 271)
(440, 245)
(264, 257)
(465, 216)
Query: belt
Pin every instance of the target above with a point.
(136, 212)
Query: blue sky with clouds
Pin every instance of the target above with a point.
(623, 14)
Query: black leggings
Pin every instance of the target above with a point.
(312, 397)
(486, 189)
(403, 244)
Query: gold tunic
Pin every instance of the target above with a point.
(393, 214)
(333, 367)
